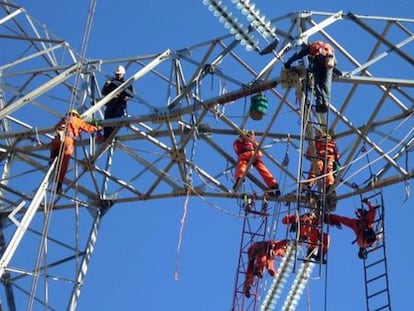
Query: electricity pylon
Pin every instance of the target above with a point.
(181, 129)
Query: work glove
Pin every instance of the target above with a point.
(95, 122)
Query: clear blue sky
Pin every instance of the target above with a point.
(134, 261)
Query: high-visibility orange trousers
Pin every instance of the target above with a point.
(329, 179)
(259, 166)
(63, 162)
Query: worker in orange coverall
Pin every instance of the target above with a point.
(324, 145)
(66, 131)
(245, 147)
(308, 226)
(362, 226)
(262, 255)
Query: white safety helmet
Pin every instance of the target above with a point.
(120, 70)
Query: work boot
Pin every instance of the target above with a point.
(331, 200)
(59, 189)
(275, 191)
(247, 291)
(318, 257)
(321, 108)
(363, 253)
(235, 184)
(306, 188)
(53, 155)
(258, 273)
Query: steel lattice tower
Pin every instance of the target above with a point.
(201, 103)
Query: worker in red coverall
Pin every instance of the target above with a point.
(321, 64)
(309, 233)
(324, 145)
(245, 147)
(362, 226)
(66, 131)
(262, 255)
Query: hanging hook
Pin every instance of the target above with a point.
(363, 148)
(407, 184)
(407, 191)
(285, 161)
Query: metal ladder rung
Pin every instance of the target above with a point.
(375, 248)
(377, 277)
(310, 225)
(377, 293)
(383, 307)
(321, 124)
(317, 157)
(374, 263)
(254, 233)
(314, 244)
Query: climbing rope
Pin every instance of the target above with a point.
(42, 253)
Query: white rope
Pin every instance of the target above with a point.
(180, 235)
